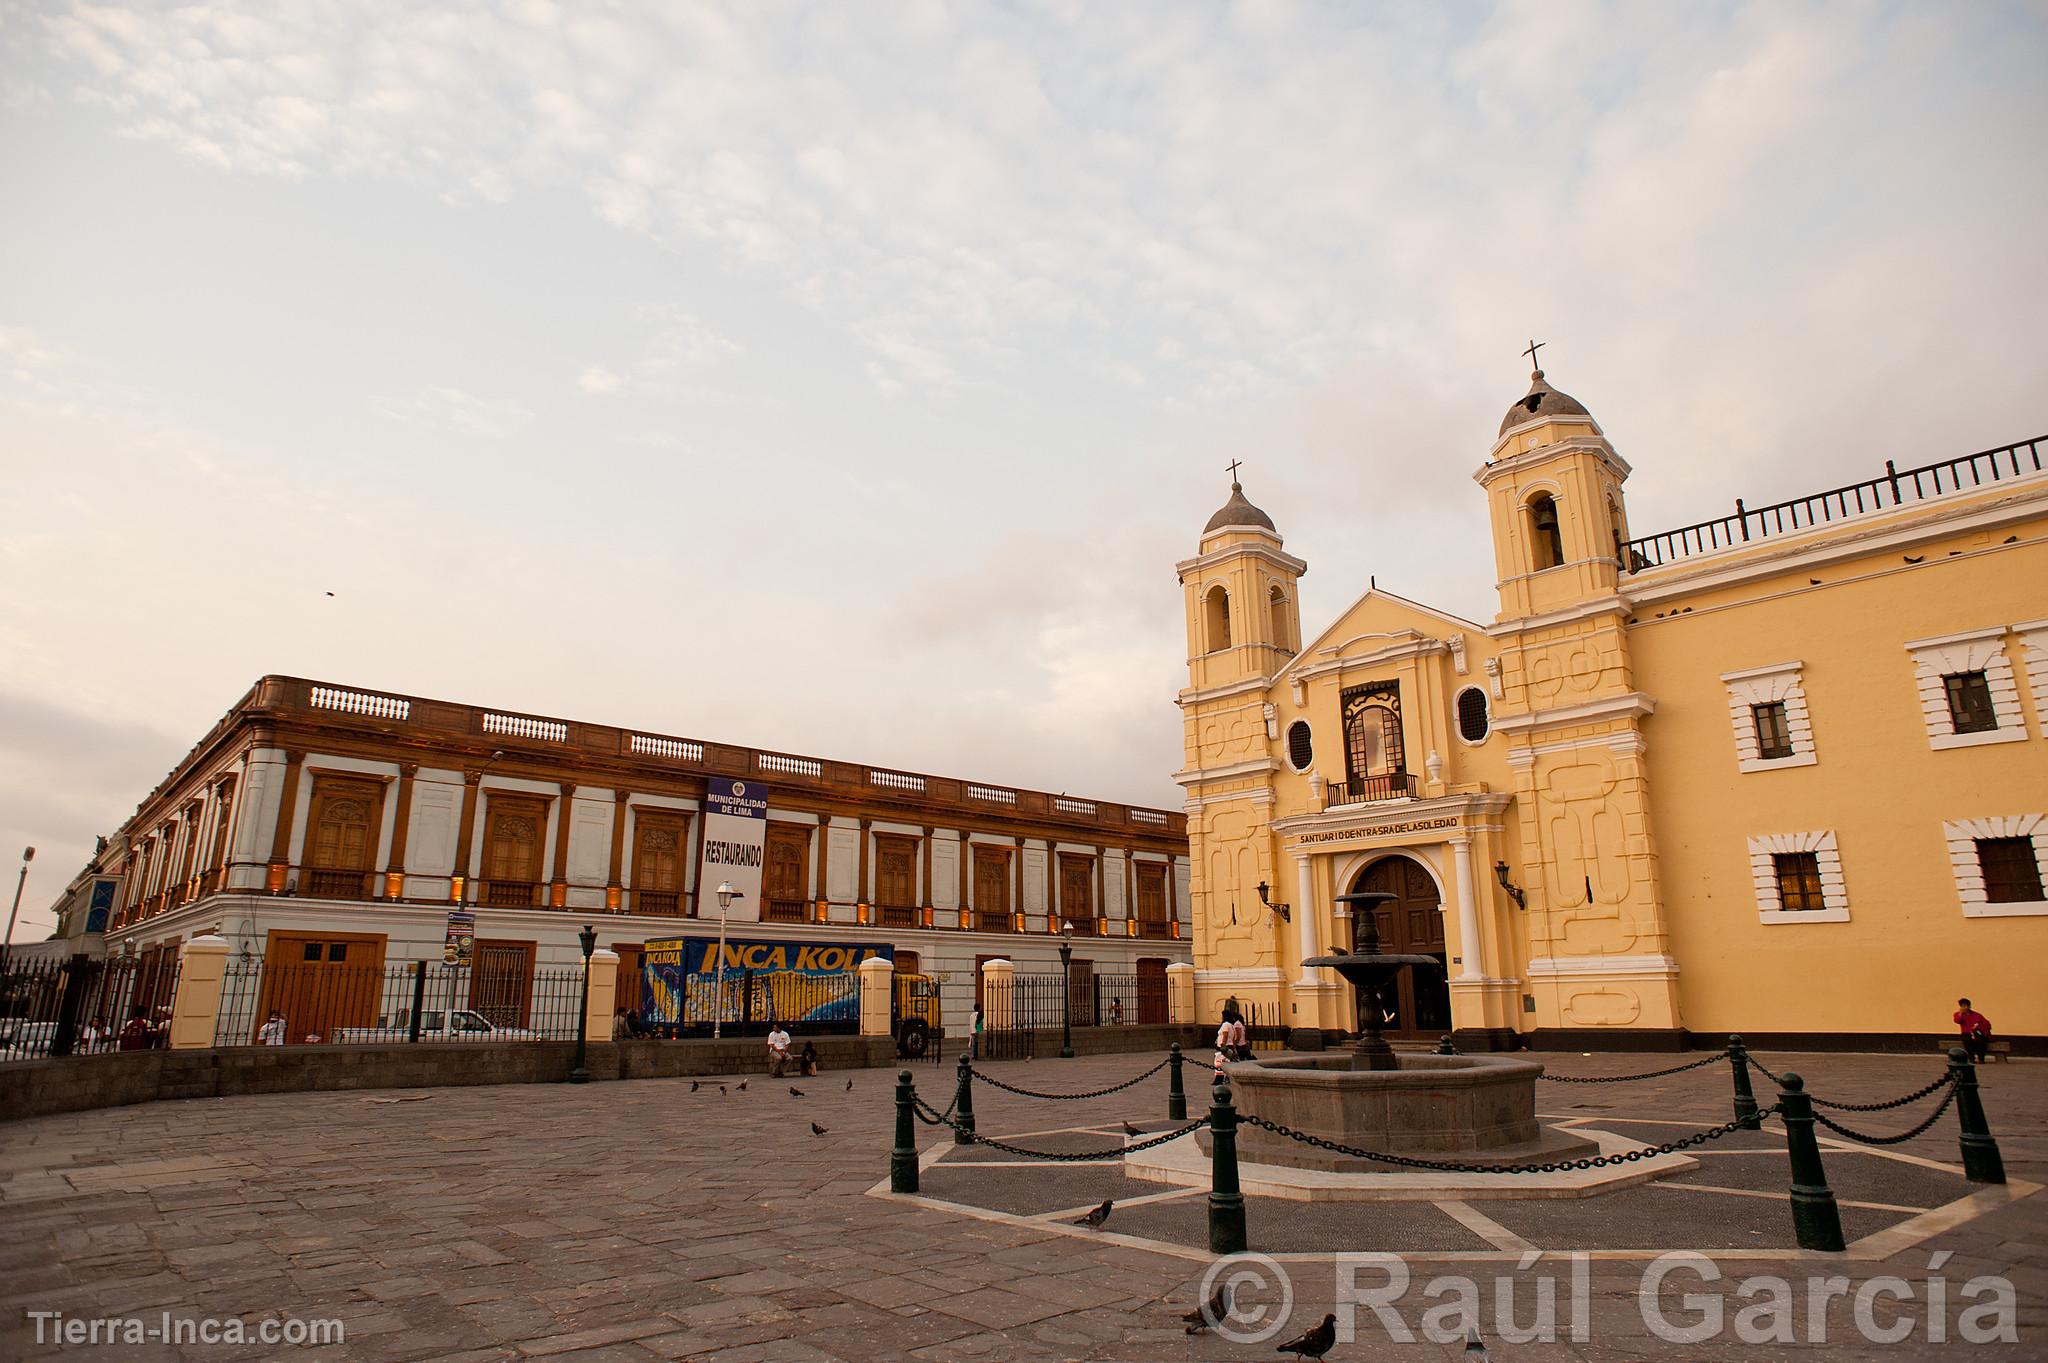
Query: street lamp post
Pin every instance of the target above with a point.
(588, 939)
(28, 854)
(1066, 990)
(726, 894)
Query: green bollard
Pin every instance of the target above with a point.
(1745, 1097)
(903, 1159)
(963, 1105)
(1981, 1160)
(1816, 1221)
(1226, 1203)
(1446, 1046)
(1176, 1096)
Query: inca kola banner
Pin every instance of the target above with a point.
(735, 838)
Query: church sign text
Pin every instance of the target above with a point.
(1383, 830)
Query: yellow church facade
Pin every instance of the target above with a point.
(1783, 772)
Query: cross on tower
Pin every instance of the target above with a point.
(1233, 465)
(1534, 346)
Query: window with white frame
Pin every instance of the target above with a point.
(2000, 864)
(1767, 707)
(1798, 878)
(1968, 695)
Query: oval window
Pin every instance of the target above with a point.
(1472, 716)
(1300, 751)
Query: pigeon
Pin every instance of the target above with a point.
(849, 1086)
(1130, 1130)
(795, 1092)
(1475, 1348)
(1910, 559)
(1315, 1343)
(817, 1130)
(694, 1086)
(1099, 1215)
(742, 1087)
(1210, 1313)
(721, 1090)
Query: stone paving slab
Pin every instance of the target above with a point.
(637, 1221)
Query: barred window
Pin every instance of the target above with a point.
(1472, 715)
(1773, 733)
(1969, 703)
(1798, 881)
(2012, 875)
(1300, 749)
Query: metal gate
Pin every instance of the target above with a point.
(1014, 1012)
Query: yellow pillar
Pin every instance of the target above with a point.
(877, 979)
(195, 1011)
(1180, 993)
(998, 999)
(604, 994)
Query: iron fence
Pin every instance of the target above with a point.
(309, 1003)
(1016, 1010)
(1121, 1000)
(123, 1003)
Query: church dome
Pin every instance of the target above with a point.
(1238, 511)
(1542, 401)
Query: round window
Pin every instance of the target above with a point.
(1472, 716)
(1300, 751)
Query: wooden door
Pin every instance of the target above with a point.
(991, 888)
(1151, 989)
(896, 880)
(905, 962)
(630, 958)
(785, 876)
(1420, 999)
(501, 981)
(320, 981)
(1077, 892)
(344, 820)
(657, 863)
(514, 837)
(1153, 919)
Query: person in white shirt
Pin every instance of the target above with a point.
(271, 1033)
(778, 1050)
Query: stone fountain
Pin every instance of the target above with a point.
(1481, 1107)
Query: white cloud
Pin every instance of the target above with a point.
(597, 379)
(454, 412)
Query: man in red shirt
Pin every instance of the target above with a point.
(1976, 1030)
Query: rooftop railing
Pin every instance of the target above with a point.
(1896, 487)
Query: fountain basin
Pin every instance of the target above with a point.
(1480, 1107)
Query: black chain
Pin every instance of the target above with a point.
(1458, 1167)
(1625, 1078)
(1777, 1079)
(1915, 1096)
(1899, 1139)
(1087, 1156)
(1098, 1093)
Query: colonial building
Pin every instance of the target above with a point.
(320, 822)
(1783, 772)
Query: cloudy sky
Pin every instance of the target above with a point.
(847, 379)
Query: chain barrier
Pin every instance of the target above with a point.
(1714, 1059)
(1899, 1139)
(1082, 1157)
(1777, 1079)
(1098, 1093)
(1460, 1167)
(1915, 1096)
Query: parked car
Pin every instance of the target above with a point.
(23, 1039)
(460, 1024)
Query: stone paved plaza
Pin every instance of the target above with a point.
(639, 1220)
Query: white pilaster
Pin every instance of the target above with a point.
(1305, 916)
(1468, 911)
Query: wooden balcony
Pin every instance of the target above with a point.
(509, 894)
(784, 911)
(326, 882)
(897, 915)
(658, 903)
(993, 920)
(1157, 930)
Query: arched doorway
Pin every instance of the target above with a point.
(1420, 1000)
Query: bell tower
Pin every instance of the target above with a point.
(1241, 599)
(1599, 953)
(1243, 604)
